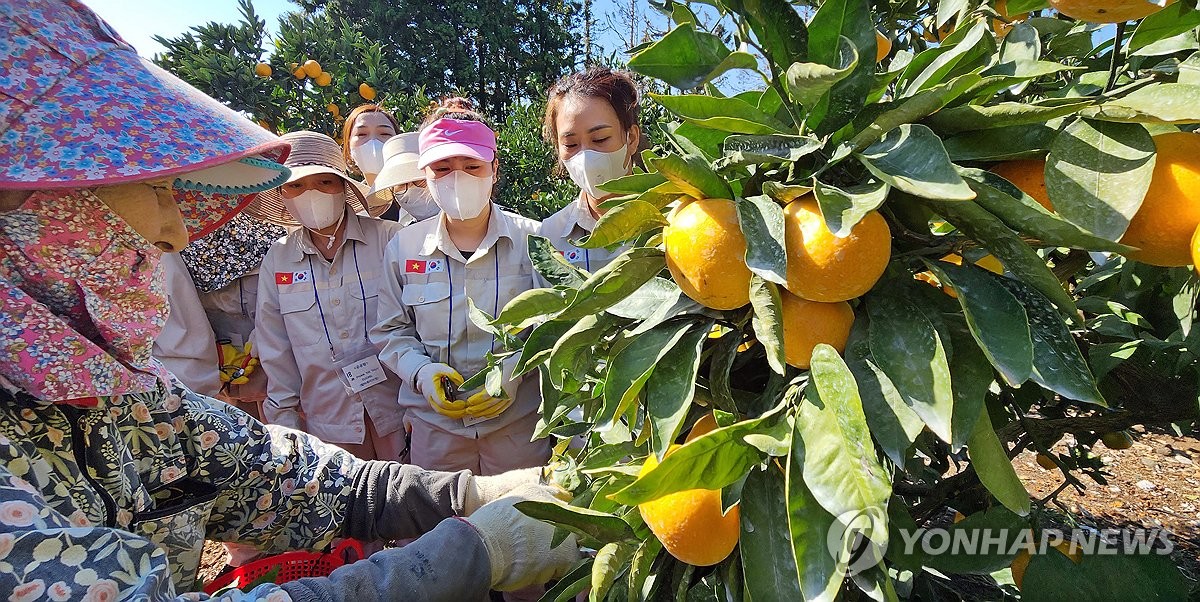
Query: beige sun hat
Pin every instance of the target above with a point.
(400, 155)
(313, 153)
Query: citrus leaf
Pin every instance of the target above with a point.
(1060, 366)
(840, 465)
(1189, 70)
(780, 30)
(1159, 103)
(820, 573)
(639, 567)
(708, 462)
(784, 193)
(973, 377)
(768, 321)
(1025, 215)
(691, 139)
(995, 470)
(1097, 174)
(842, 209)
(693, 176)
(1103, 576)
(671, 387)
(915, 108)
(614, 282)
(775, 148)
(911, 158)
(995, 317)
(726, 114)
(632, 366)
(834, 20)
(634, 183)
(1013, 142)
(624, 222)
(761, 222)
(551, 265)
(610, 560)
(893, 424)
(906, 347)
(975, 117)
(575, 581)
(955, 56)
(684, 58)
(1174, 19)
(532, 303)
(766, 548)
(600, 526)
(1017, 256)
(572, 353)
(538, 346)
(807, 83)
(649, 300)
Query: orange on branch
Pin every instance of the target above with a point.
(366, 91)
(824, 267)
(1164, 226)
(1106, 11)
(883, 46)
(807, 324)
(706, 253)
(311, 68)
(1027, 174)
(690, 523)
(262, 70)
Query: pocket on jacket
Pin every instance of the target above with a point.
(301, 318)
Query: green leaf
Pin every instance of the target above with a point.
(955, 56)
(820, 572)
(995, 470)
(1189, 70)
(551, 265)
(768, 321)
(995, 522)
(600, 526)
(576, 580)
(692, 139)
(610, 560)
(781, 32)
(1097, 174)
(693, 176)
(807, 83)
(1060, 366)
(840, 465)
(640, 566)
(834, 20)
(1025, 215)
(671, 387)
(624, 222)
(532, 303)
(1013, 142)
(709, 462)
(911, 158)
(995, 317)
(777, 148)
(1103, 576)
(761, 221)
(1017, 256)
(766, 548)
(648, 301)
(684, 58)
(632, 366)
(572, 353)
(538, 346)
(844, 208)
(634, 183)
(615, 281)
(893, 424)
(909, 351)
(1005, 114)
(973, 378)
(1157, 103)
(1174, 19)
(725, 114)
(784, 193)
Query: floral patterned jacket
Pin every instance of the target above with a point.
(94, 501)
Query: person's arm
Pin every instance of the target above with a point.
(396, 332)
(186, 345)
(282, 405)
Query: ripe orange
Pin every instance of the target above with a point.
(299, 73)
(1163, 227)
(823, 267)
(939, 34)
(690, 524)
(999, 27)
(332, 108)
(1027, 174)
(1021, 562)
(1196, 250)
(883, 46)
(809, 323)
(987, 262)
(706, 253)
(262, 70)
(324, 79)
(311, 68)
(366, 91)
(705, 425)
(1106, 11)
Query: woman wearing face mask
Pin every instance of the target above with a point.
(103, 457)
(471, 250)
(592, 123)
(366, 130)
(316, 303)
(401, 182)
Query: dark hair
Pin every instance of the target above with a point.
(616, 87)
(348, 127)
(454, 107)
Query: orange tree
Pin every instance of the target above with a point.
(776, 280)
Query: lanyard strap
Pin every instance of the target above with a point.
(450, 314)
(321, 309)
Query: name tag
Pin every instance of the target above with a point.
(364, 373)
(473, 420)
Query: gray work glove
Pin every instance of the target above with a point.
(519, 546)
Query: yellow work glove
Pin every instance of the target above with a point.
(483, 405)
(236, 363)
(438, 382)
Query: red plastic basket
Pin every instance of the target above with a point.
(292, 566)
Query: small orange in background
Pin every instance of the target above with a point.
(1000, 27)
(690, 523)
(987, 262)
(1029, 175)
(324, 79)
(332, 108)
(366, 91)
(1107, 11)
(262, 70)
(1021, 562)
(311, 68)
(883, 46)
(1046, 462)
(299, 73)
(807, 324)
(1164, 225)
(705, 425)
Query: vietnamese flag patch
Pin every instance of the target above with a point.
(415, 266)
(283, 277)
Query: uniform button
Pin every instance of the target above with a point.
(421, 299)
(345, 335)
(358, 429)
(337, 302)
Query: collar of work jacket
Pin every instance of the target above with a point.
(305, 245)
(438, 239)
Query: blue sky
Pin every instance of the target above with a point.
(139, 20)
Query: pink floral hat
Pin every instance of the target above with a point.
(80, 109)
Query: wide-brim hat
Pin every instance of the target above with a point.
(400, 155)
(313, 153)
(448, 137)
(80, 109)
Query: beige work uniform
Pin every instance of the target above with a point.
(572, 223)
(423, 319)
(313, 317)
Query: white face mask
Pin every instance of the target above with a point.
(316, 210)
(368, 156)
(461, 195)
(417, 202)
(591, 168)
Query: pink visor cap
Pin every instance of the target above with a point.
(447, 138)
